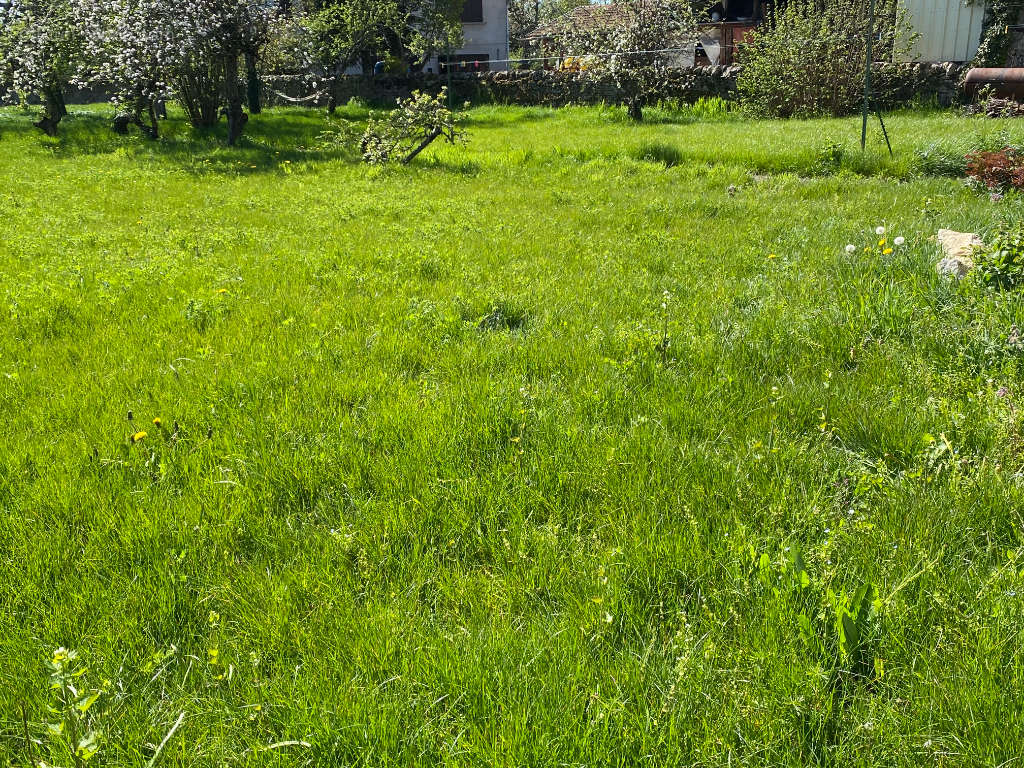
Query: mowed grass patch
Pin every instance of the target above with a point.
(571, 446)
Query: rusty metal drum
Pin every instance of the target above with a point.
(1005, 82)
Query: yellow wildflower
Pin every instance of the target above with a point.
(157, 422)
(887, 251)
(138, 437)
(222, 290)
(882, 241)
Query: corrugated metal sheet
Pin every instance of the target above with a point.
(948, 30)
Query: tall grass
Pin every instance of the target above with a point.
(550, 450)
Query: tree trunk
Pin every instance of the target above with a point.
(199, 91)
(153, 130)
(636, 110)
(53, 110)
(233, 99)
(423, 145)
(332, 96)
(62, 110)
(252, 83)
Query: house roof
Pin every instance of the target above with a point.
(587, 17)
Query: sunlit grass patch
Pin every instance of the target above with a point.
(588, 443)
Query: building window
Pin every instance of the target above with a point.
(473, 11)
(466, 62)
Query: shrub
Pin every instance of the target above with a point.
(829, 156)
(1001, 265)
(999, 170)
(808, 57)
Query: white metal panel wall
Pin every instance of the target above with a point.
(948, 30)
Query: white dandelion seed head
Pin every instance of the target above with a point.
(879, 231)
(900, 240)
(851, 248)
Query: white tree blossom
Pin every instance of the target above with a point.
(150, 50)
(639, 39)
(40, 50)
(134, 47)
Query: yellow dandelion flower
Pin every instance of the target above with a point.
(138, 437)
(887, 251)
(222, 290)
(157, 422)
(882, 241)
(772, 256)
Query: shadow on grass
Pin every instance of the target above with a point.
(271, 140)
(713, 110)
(458, 167)
(498, 116)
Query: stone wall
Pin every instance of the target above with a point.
(523, 87)
(895, 84)
(903, 84)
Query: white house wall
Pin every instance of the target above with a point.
(488, 38)
(948, 30)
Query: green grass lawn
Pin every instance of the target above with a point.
(568, 447)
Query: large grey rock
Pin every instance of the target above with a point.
(958, 252)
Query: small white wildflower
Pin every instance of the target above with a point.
(899, 241)
(851, 248)
(879, 231)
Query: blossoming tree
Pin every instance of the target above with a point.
(150, 50)
(133, 47)
(639, 41)
(40, 52)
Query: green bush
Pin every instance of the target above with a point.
(807, 59)
(1001, 265)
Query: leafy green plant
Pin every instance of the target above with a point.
(830, 156)
(1001, 264)
(73, 728)
(996, 35)
(854, 618)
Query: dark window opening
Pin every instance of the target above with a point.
(473, 11)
